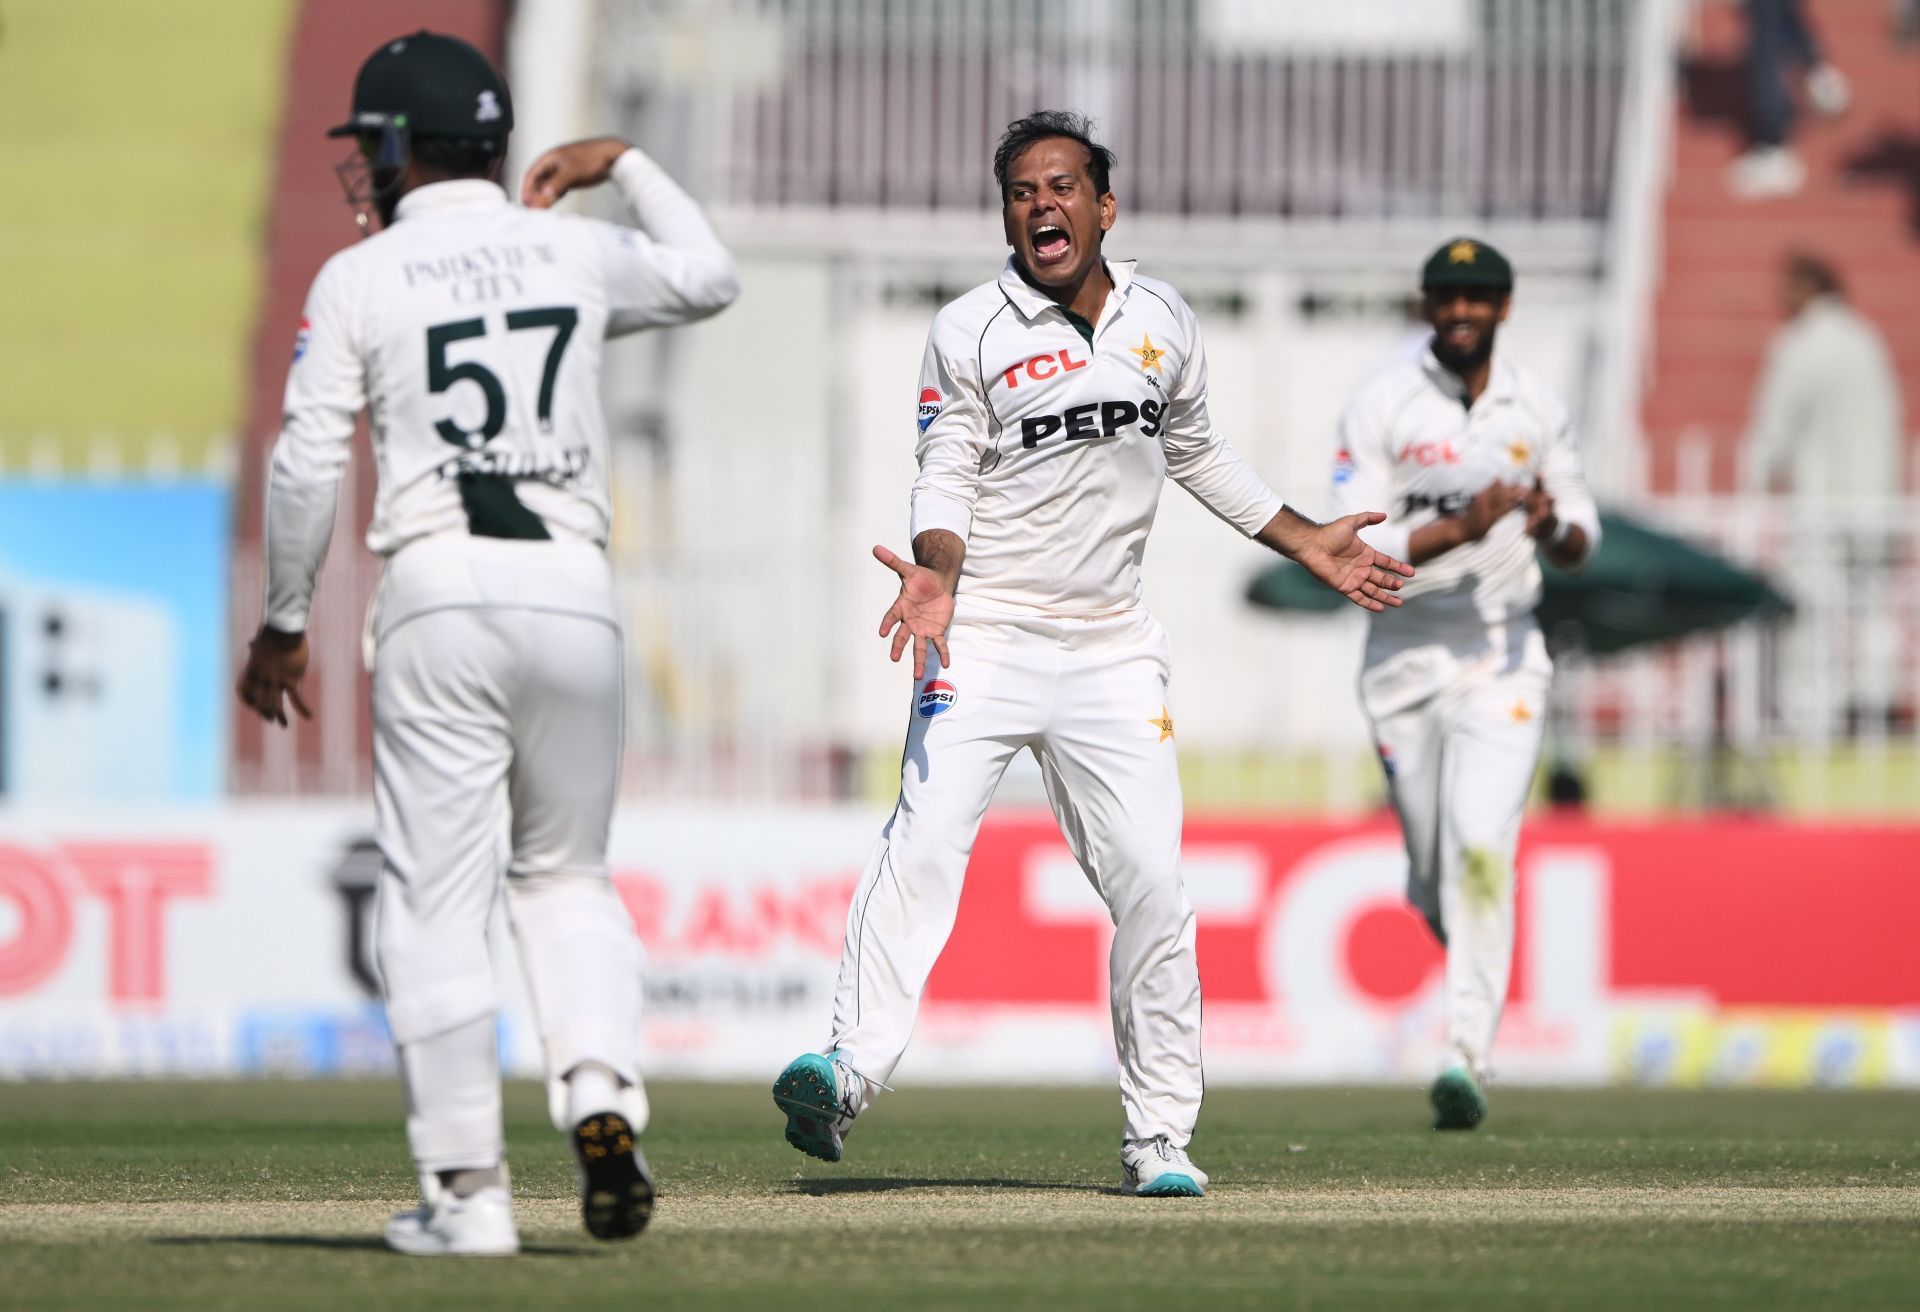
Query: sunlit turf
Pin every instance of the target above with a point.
(256, 1194)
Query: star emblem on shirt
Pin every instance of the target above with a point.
(1519, 451)
(1149, 354)
(1520, 713)
(1164, 724)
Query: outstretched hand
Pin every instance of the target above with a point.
(919, 615)
(1336, 554)
(571, 167)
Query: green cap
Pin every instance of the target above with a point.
(428, 84)
(1467, 262)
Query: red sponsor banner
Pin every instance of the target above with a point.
(133, 881)
(1738, 913)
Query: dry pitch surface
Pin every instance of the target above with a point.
(272, 1194)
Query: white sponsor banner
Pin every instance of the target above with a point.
(237, 940)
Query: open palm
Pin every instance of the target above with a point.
(1337, 555)
(920, 614)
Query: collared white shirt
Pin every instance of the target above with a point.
(1045, 450)
(471, 331)
(1826, 410)
(1410, 446)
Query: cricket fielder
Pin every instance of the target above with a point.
(1054, 403)
(1478, 461)
(471, 330)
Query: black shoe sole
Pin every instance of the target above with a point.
(616, 1198)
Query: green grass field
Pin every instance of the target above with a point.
(272, 1194)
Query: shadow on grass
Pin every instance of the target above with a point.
(889, 1184)
(347, 1243)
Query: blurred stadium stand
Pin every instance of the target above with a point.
(1720, 289)
(1256, 113)
(1287, 166)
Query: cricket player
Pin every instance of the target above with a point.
(1477, 459)
(470, 330)
(1054, 403)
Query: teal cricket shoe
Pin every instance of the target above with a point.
(1457, 1101)
(1154, 1168)
(820, 1095)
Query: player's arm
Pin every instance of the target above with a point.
(953, 423)
(1199, 459)
(1561, 516)
(1492, 503)
(1363, 477)
(1775, 419)
(326, 388)
(671, 267)
(1202, 462)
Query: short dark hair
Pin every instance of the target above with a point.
(1042, 125)
(459, 157)
(1816, 272)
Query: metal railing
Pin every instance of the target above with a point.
(1494, 109)
(1734, 710)
(713, 714)
(1844, 670)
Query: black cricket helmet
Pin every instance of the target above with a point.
(426, 86)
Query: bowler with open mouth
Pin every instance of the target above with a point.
(1055, 217)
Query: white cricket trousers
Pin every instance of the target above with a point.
(499, 728)
(1458, 717)
(1089, 697)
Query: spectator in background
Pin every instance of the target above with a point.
(1777, 33)
(1826, 411)
(1826, 422)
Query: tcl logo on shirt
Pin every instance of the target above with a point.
(1441, 452)
(1043, 367)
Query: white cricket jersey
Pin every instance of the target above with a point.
(1409, 446)
(471, 330)
(1045, 451)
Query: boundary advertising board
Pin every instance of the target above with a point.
(236, 940)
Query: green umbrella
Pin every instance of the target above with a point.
(1643, 586)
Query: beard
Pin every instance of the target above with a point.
(1463, 361)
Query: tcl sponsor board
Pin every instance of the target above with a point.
(237, 940)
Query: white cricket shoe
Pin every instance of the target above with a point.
(1766, 172)
(820, 1095)
(1154, 1168)
(479, 1225)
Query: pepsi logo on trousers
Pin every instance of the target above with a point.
(937, 698)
